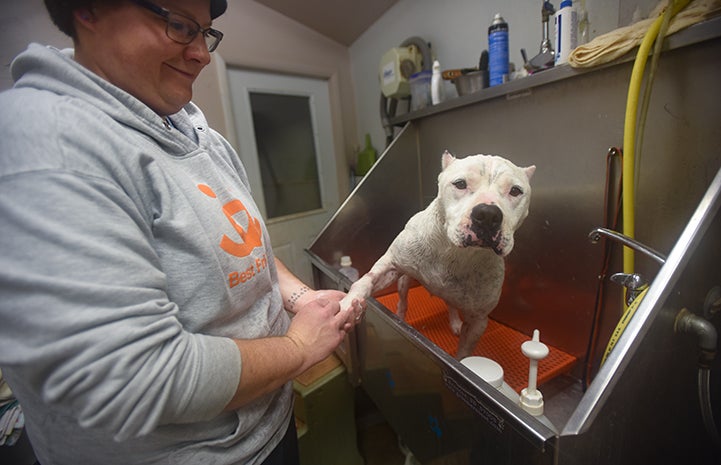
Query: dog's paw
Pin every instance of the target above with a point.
(454, 318)
(346, 303)
(456, 327)
(354, 308)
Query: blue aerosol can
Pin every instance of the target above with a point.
(498, 51)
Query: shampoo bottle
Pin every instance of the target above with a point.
(498, 51)
(566, 31)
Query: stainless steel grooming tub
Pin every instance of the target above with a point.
(642, 404)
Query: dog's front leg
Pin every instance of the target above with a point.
(471, 331)
(381, 275)
(404, 283)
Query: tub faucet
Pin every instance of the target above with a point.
(595, 236)
(633, 282)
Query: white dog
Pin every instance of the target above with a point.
(456, 246)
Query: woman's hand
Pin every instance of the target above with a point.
(317, 329)
(355, 308)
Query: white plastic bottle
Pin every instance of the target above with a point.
(566, 23)
(346, 268)
(437, 91)
(491, 372)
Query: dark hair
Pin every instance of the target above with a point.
(61, 11)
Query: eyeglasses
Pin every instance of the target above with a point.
(183, 29)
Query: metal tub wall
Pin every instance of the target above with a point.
(366, 223)
(644, 406)
(565, 127)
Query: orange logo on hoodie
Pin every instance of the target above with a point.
(251, 238)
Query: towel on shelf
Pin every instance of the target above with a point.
(615, 44)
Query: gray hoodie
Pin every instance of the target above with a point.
(130, 252)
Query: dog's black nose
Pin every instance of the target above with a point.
(486, 219)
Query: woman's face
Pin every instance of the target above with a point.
(127, 45)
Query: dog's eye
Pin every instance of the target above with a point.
(516, 191)
(460, 184)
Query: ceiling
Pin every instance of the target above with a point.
(341, 20)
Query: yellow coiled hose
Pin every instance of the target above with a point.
(655, 33)
(622, 323)
(629, 130)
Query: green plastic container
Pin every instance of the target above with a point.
(366, 158)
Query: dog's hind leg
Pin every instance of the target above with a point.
(404, 283)
(471, 333)
(454, 318)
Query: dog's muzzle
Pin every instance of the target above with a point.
(486, 220)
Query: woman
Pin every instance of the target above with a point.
(143, 312)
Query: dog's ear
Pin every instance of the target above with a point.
(529, 171)
(447, 159)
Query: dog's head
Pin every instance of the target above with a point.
(484, 199)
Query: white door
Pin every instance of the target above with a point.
(285, 141)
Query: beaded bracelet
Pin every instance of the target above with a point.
(296, 295)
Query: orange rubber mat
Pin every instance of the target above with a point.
(429, 315)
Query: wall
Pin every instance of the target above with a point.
(458, 32)
(22, 22)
